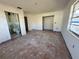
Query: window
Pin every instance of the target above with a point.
(74, 21)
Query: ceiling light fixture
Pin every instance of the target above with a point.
(36, 3)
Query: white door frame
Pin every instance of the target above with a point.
(43, 21)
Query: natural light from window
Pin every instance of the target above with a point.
(74, 22)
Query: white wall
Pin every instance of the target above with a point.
(4, 30)
(71, 40)
(35, 20)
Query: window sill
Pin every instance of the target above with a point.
(73, 34)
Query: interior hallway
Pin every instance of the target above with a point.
(35, 45)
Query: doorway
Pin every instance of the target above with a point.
(26, 24)
(48, 23)
(13, 24)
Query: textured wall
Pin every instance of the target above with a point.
(35, 20)
(71, 40)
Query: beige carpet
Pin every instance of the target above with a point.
(35, 45)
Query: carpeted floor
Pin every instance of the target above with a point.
(35, 45)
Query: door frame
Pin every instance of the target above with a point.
(18, 22)
(43, 21)
(26, 21)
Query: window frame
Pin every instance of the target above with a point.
(70, 19)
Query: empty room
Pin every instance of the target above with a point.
(39, 29)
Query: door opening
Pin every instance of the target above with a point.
(13, 24)
(26, 24)
(48, 23)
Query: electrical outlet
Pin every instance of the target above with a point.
(55, 22)
(73, 46)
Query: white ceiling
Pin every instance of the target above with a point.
(37, 6)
